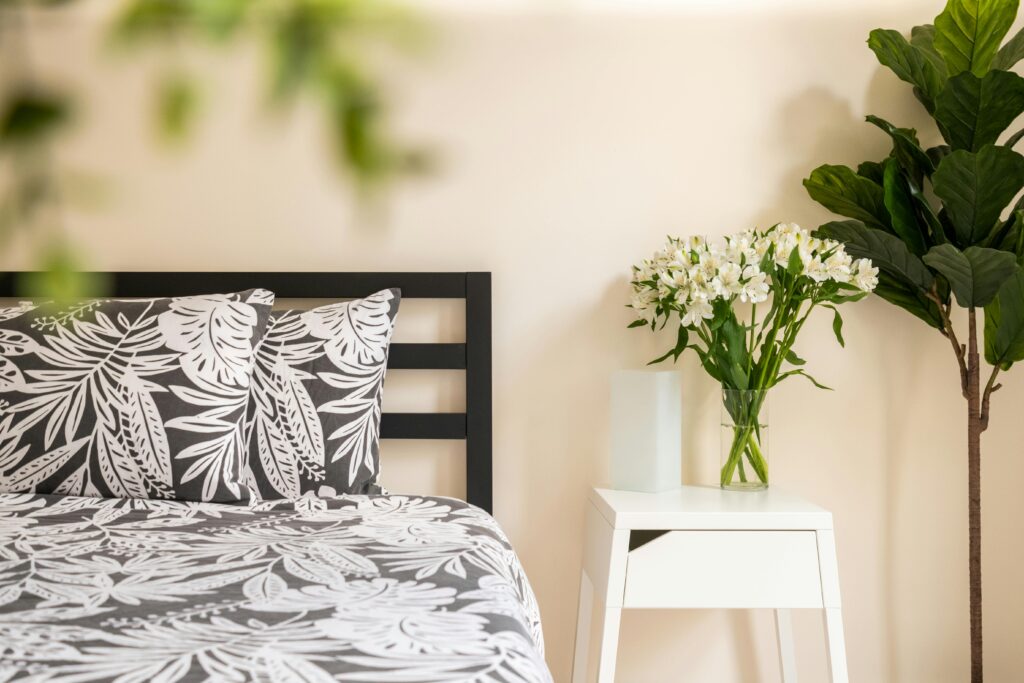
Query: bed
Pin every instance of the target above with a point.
(377, 587)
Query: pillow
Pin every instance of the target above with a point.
(314, 418)
(139, 398)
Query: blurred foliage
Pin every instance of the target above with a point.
(32, 116)
(315, 49)
(29, 117)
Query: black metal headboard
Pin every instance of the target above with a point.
(473, 356)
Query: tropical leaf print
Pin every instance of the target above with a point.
(214, 335)
(314, 413)
(129, 398)
(355, 332)
(136, 590)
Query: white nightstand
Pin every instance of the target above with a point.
(695, 547)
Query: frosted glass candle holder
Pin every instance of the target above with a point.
(646, 430)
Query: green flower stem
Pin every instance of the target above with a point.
(744, 443)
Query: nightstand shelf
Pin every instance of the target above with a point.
(692, 548)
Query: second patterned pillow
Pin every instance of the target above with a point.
(315, 403)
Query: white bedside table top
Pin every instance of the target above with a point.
(707, 507)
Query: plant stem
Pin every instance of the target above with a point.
(950, 333)
(974, 429)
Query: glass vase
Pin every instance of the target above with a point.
(744, 440)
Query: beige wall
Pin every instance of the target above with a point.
(574, 137)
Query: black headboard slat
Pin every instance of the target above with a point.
(423, 426)
(427, 357)
(474, 356)
(479, 468)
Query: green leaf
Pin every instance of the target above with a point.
(1004, 236)
(936, 234)
(975, 274)
(1010, 53)
(968, 33)
(837, 326)
(906, 149)
(923, 38)
(795, 265)
(29, 117)
(801, 373)
(910, 299)
(794, 359)
(900, 204)
(842, 191)
(872, 170)
(1004, 324)
(735, 338)
(972, 111)
(707, 363)
(937, 153)
(887, 251)
(637, 323)
(909, 63)
(682, 339)
(975, 188)
(1014, 139)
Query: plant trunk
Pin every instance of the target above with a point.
(974, 429)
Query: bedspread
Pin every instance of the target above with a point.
(356, 588)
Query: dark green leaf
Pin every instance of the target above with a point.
(1004, 324)
(707, 362)
(937, 153)
(734, 336)
(837, 326)
(1014, 139)
(975, 188)
(923, 38)
(1004, 236)
(888, 252)
(872, 170)
(638, 323)
(910, 299)
(909, 63)
(972, 111)
(842, 191)
(794, 359)
(936, 235)
(722, 311)
(1010, 53)
(968, 33)
(682, 339)
(29, 117)
(900, 204)
(906, 149)
(975, 274)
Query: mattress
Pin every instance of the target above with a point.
(356, 588)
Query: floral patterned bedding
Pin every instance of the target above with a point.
(375, 588)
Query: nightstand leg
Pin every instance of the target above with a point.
(609, 644)
(836, 645)
(584, 612)
(608, 626)
(787, 653)
(833, 618)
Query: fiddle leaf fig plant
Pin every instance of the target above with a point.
(939, 222)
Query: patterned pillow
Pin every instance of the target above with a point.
(314, 417)
(139, 398)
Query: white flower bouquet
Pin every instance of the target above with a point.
(715, 292)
